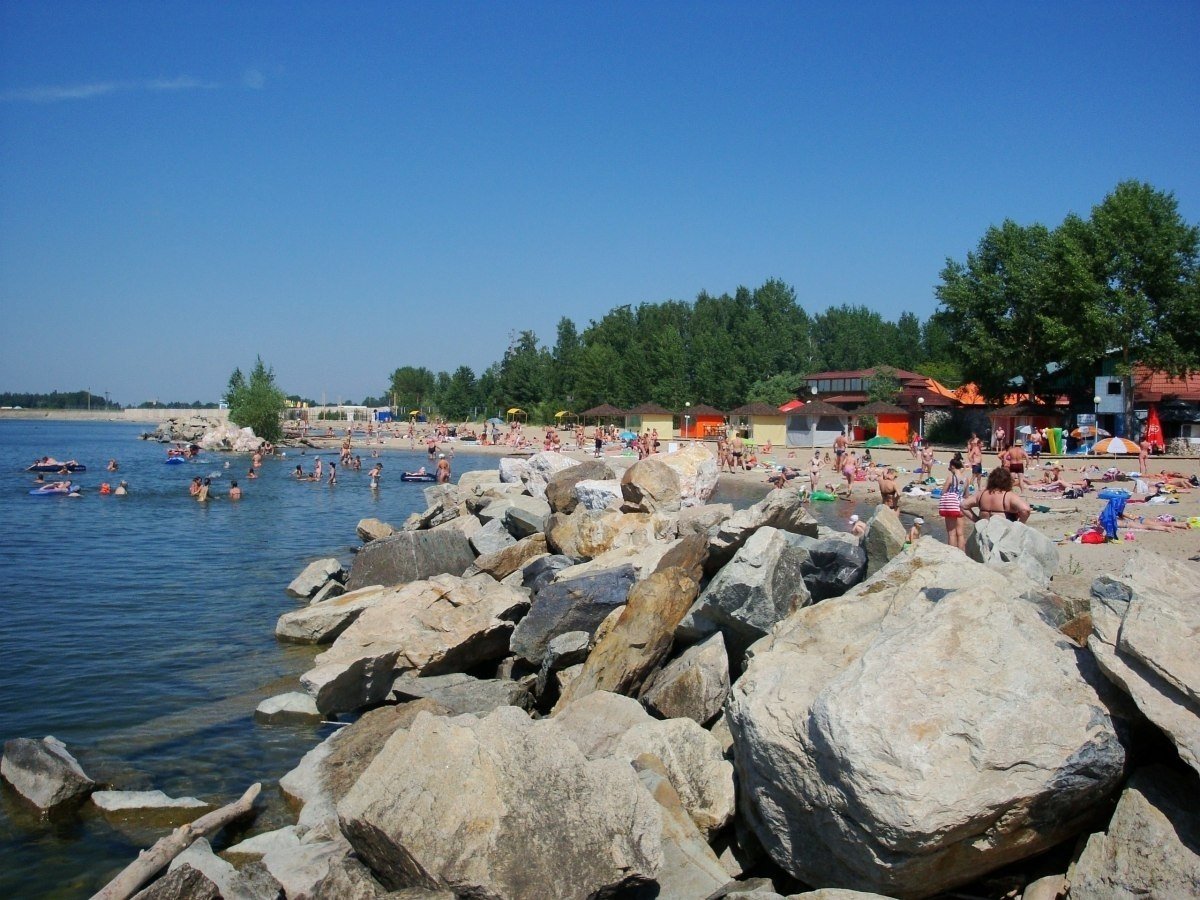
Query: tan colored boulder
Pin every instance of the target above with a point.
(588, 533)
(509, 559)
(640, 639)
(560, 489)
(650, 485)
(373, 529)
(696, 467)
(884, 539)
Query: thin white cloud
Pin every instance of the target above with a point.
(254, 79)
(61, 92)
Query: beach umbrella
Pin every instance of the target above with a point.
(879, 440)
(1090, 432)
(628, 436)
(495, 421)
(1115, 445)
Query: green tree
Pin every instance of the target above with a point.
(885, 386)
(410, 387)
(775, 390)
(460, 397)
(256, 402)
(523, 371)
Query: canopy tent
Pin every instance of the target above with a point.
(516, 414)
(565, 418)
(816, 423)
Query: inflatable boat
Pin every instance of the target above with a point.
(57, 467)
(54, 490)
(418, 476)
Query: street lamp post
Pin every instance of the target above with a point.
(812, 420)
(686, 417)
(921, 421)
(1096, 423)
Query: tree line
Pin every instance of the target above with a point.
(755, 345)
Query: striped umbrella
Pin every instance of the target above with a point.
(1116, 445)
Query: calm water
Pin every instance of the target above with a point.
(140, 629)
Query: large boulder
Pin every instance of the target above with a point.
(650, 485)
(290, 707)
(314, 577)
(696, 467)
(884, 539)
(1138, 646)
(560, 489)
(925, 728)
(513, 470)
(1152, 846)
(372, 529)
(588, 533)
(1003, 545)
(460, 693)
(834, 565)
(526, 516)
(762, 584)
(321, 623)
(44, 772)
(640, 638)
(599, 494)
(542, 467)
(608, 726)
(501, 807)
(694, 685)
(445, 624)
(574, 604)
(786, 510)
(491, 537)
(540, 571)
(509, 559)
(410, 556)
(314, 870)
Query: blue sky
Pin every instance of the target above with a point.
(344, 188)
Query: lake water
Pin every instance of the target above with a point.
(140, 629)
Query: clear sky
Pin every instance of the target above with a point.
(345, 188)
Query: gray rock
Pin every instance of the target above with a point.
(181, 883)
(576, 604)
(785, 510)
(441, 495)
(494, 783)
(608, 726)
(322, 869)
(513, 470)
(460, 693)
(599, 494)
(543, 467)
(701, 520)
(229, 882)
(257, 846)
(314, 576)
(137, 801)
(560, 489)
(1002, 544)
(760, 586)
(694, 685)
(1152, 847)
(696, 468)
(329, 591)
(884, 538)
(1153, 666)
(832, 567)
(292, 706)
(526, 516)
(562, 652)
(1110, 589)
(44, 772)
(410, 556)
(445, 624)
(650, 485)
(372, 529)
(321, 623)
(924, 729)
(495, 510)
(468, 481)
(491, 537)
(538, 573)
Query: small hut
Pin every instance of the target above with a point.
(650, 416)
(516, 414)
(565, 419)
(702, 422)
(1030, 416)
(815, 423)
(602, 414)
(890, 420)
(761, 422)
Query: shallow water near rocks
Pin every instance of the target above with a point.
(140, 630)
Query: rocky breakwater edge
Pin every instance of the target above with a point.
(559, 683)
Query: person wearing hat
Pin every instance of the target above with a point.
(914, 533)
(857, 527)
(443, 469)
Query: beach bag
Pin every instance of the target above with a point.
(1110, 516)
(950, 503)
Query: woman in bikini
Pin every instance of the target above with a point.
(997, 499)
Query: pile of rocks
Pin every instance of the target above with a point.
(565, 684)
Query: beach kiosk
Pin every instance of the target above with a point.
(702, 422)
(815, 423)
(648, 417)
(761, 422)
(890, 420)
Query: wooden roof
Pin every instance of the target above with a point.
(650, 409)
(1151, 386)
(603, 411)
(701, 409)
(879, 408)
(756, 409)
(820, 408)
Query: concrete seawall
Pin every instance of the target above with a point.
(147, 416)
